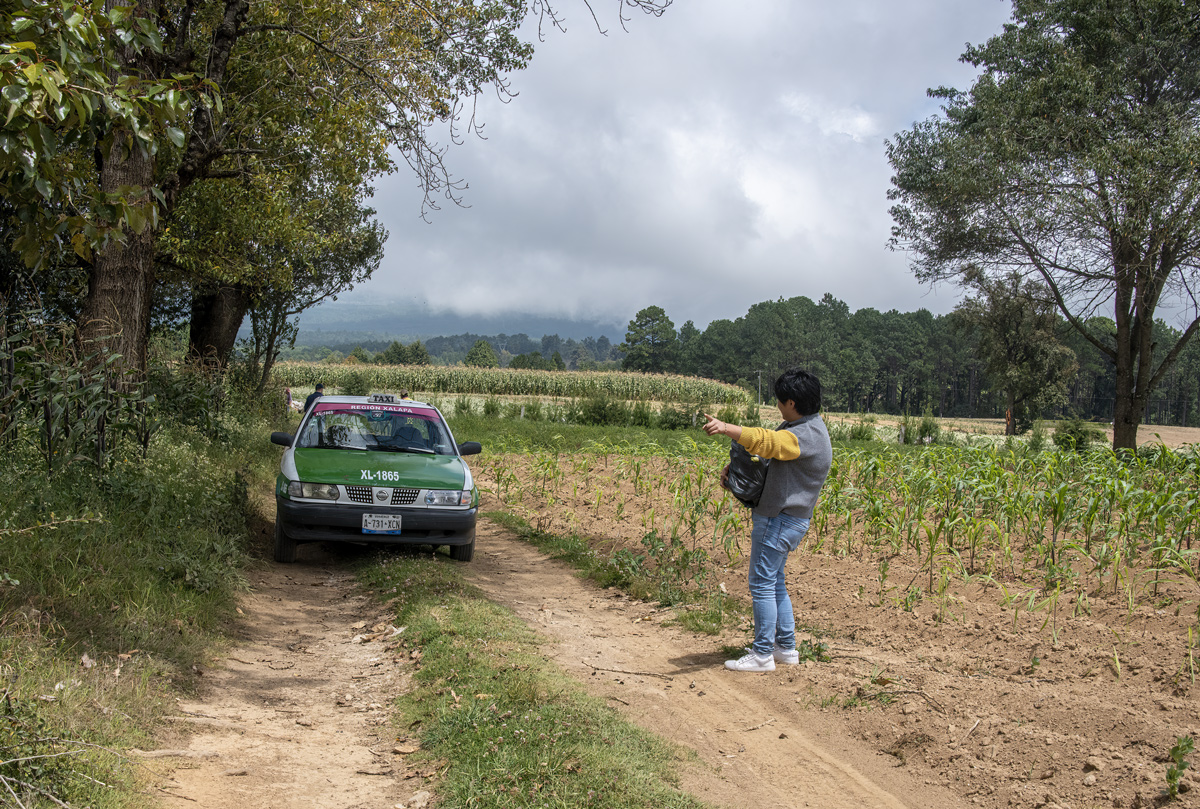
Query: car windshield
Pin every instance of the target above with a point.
(376, 428)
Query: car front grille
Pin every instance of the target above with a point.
(366, 495)
(360, 494)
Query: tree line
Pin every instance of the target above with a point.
(914, 362)
(1002, 351)
(503, 351)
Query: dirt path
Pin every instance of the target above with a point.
(757, 745)
(295, 716)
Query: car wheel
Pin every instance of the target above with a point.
(463, 553)
(285, 546)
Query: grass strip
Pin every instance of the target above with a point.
(704, 611)
(514, 730)
(500, 435)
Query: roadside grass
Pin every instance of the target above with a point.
(704, 611)
(516, 731)
(114, 585)
(62, 725)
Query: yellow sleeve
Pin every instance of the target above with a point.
(779, 444)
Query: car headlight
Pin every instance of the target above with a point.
(447, 497)
(317, 491)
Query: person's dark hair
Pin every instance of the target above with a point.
(800, 387)
(319, 386)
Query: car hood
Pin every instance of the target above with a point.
(396, 469)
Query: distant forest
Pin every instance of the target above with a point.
(868, 361)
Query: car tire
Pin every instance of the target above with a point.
(285, 546)
(463, 553)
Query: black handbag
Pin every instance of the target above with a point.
(746, 475)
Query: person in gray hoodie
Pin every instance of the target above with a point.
(801, 455)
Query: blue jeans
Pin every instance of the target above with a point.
(770, 543)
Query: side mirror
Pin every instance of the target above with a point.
(282, 439)
(470, 448)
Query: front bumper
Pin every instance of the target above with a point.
(312, 522)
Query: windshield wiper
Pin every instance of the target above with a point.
(398, 448)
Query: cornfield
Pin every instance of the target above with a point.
(512, 382)
(1045, 529)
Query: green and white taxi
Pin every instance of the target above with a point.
(374, 469)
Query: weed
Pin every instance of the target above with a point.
(884, 564)
(816, 652)
(1178, 754)
(710, 616)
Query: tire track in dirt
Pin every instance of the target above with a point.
(295, 717)
(756, 743)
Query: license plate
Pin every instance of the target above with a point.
(380, 524)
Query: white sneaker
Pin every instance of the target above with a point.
(789, 656)
(751, 662)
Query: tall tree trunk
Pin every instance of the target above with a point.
(217, 314)
(1126, 407)
(121, 280)
(276, 321)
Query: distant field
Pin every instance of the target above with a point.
(442, 380)
(1173, 437)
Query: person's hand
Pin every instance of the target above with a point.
(713, 425)
(725, 476)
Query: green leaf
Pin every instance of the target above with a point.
(135, 219)
(177, 136)
(15, 93)
(21, 46)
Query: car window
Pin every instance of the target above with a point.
(380, 428)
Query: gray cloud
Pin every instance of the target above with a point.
(719, 156)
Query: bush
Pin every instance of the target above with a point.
(729, 414)
(571, 412)
(928, 431)
(676, 417)
(1074, 434)
(491, 407)
(863, 429)
(641, 415)
(357, 383)
(463, 407)
(1037, 437)
(603, 410)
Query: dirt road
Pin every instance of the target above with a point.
(295, 716)
(756, 743)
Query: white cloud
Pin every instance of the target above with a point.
(851, 121)
(704, 161)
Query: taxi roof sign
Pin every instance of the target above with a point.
(388, 398)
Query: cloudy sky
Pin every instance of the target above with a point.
(721, 155)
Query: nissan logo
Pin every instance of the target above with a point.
(381, 495)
